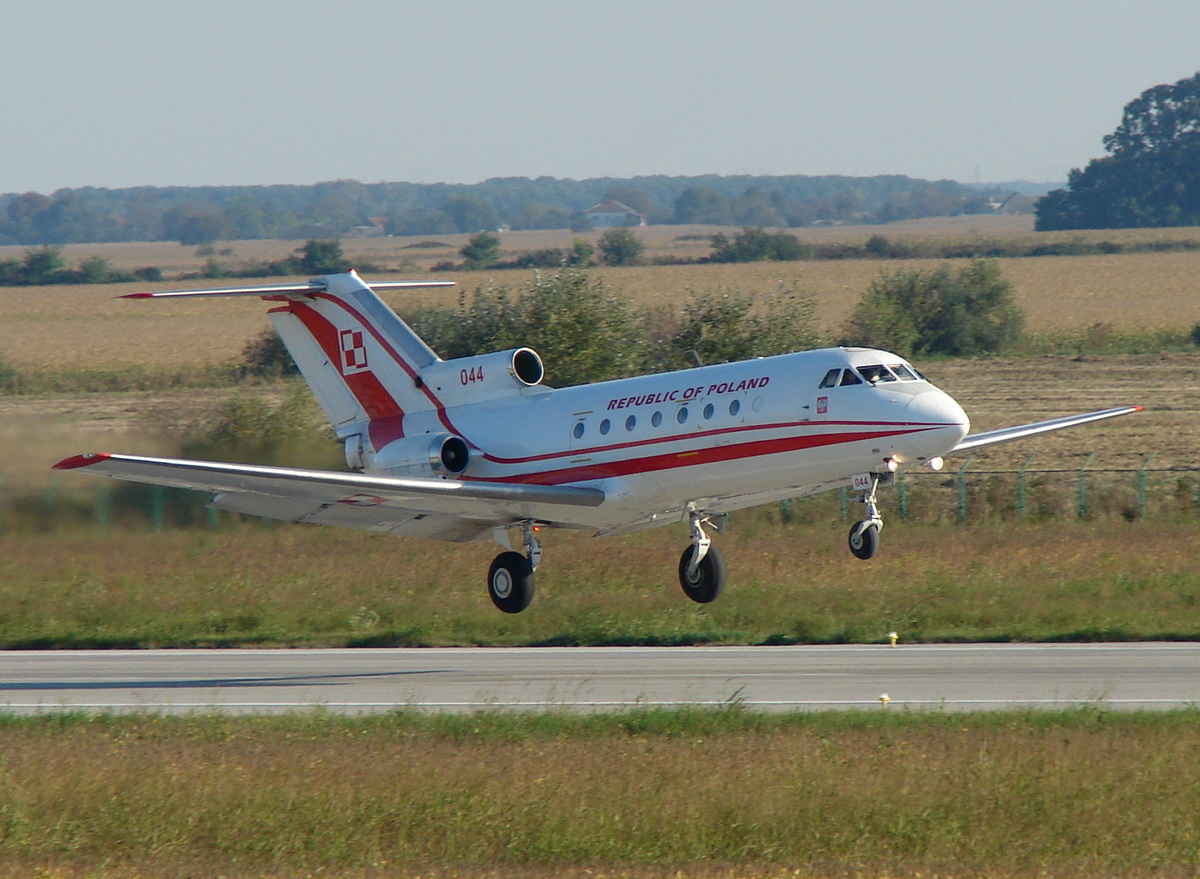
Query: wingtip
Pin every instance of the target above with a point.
(136, 296)
(84, 460)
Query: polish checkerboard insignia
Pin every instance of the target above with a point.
(354, 352)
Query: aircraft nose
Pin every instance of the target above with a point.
(947, 420)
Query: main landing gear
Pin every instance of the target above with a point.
(701, 567)
(864, 536)
(510, 579)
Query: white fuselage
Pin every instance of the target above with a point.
(714, 438)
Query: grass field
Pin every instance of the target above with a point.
(788, 583)
(645, 794)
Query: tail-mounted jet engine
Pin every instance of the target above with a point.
(426, 455)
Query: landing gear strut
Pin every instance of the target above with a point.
(510, 579)
(864, 536)
(701, 567)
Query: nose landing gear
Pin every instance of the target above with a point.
(701, 567)
(864, 536)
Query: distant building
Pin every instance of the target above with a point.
(611, 213)
(373, 228)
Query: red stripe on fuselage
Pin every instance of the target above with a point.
(698, 457)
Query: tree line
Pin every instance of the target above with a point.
(1151, 175)
(203, 215)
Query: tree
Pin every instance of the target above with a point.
(759, 245)
(1150, 178)
(471, 213)
(620, 247)
(322, 258)
(703, 205)
(728, 326)
(480, 251)
(912, 312)
(582, 331)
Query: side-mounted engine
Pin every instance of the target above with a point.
(424, 455)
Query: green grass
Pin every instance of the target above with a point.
(654, 793)
(260, 585)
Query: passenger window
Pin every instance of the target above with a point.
(709, 410)
(682, 415)
(656, 419)
(831, 379)
(850, 378)
(734, 407)
(578, 432)
(605, 426)
(631, 422)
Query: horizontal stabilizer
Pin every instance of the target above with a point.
(303, 288)
(1008, 434)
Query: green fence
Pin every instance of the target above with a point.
(959, 495)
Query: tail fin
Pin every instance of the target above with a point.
(368, 369)
(362, 362)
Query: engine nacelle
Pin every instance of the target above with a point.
(425, 455)
(484, 377)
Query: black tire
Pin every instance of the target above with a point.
(708, 582)
(864, 542)
(510, 582)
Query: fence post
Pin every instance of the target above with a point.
(1082, 491)
(842, 502)
(1021, 502)
(902, 496)
(104, 508)
(1141, 485)
(158, 508)
(961, 479)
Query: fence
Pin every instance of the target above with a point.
(953, 496)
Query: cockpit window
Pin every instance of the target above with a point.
(905, 373)
(831, 379)
(849, 378)
(876, 373)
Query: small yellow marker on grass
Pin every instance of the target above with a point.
(893, 638)
(884, 700)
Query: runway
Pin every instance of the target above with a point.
(919, 677)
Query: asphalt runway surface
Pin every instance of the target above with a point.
(929, 677)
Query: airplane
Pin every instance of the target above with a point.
(478, 447)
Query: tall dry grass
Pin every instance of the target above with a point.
(656, 793)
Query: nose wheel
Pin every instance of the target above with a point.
(864, 536)
(701, 567)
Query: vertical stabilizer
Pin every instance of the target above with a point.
(361, 360)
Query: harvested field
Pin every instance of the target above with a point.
(55, 327)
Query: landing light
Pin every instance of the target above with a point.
(936, 463)
(892, 465)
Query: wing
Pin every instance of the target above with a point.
(439, 508)
(1007, 434)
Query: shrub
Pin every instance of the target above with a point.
(620, 247)
(728, 326)
(971, 311)
(581, 330)
(759, 245)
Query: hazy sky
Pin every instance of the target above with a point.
(134, 92)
